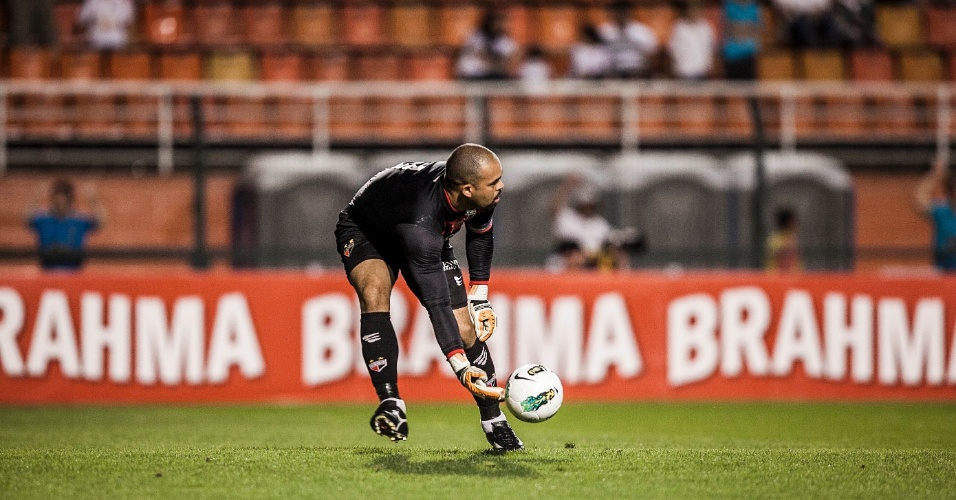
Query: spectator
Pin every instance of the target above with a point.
(742, 25)
(61, 230)
(783, 253)
(855, 23)
(808, 23)
(632, 44)
(107, 23)
(935, 197)
(534, 69)
(31, 23)
(691, 45)
(586, 240)
(488, 52)
(590, 58)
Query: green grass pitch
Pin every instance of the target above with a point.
(594, 451)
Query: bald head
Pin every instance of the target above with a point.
(466, 163)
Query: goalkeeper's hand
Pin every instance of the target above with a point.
(474, 379)
(482, 315)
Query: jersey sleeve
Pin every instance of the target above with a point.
(479, 247)
(426, 278)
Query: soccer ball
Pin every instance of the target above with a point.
(533, 393)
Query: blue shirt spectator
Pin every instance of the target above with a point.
(935, 197)
(61, 230)
(742, 25)
(944, 239)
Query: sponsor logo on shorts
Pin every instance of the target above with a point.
(458, 281)
(347, 249)
(378, 365)
(372, 338)
(450, 265)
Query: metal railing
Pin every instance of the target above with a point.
(620, 114)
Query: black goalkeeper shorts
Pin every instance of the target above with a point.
(354, 248)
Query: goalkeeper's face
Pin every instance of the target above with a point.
(486, 191)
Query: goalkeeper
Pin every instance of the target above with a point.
(401, 221)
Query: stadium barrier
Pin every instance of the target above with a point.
(609, 113)
(274, 337)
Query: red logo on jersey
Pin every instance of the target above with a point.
(347, 249)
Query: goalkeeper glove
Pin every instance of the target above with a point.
(473, 378)
(482, 315)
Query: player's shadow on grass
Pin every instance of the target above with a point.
(485, 464)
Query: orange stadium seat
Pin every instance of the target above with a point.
(548, 117)
(440, 118)
(88, 115)
(290, 116)
(456, 22)
(899, 25)
(596, 118)
(80, 65)
(776, 65)
(871, 65)
(265, 24)
(235, 116)
(137, 114)
(30, 63)
(180, 66)
(517, 21)
(410, 25)
(329, 67)
(694, 115)
(822, 65)
(216, 24)
(164, 23)
(941, 26)
(659, 18)
(363, 24)
(313, 25)
(652, 116)
(64, 19)
(556, 26)
(431, 65)
(920, 66)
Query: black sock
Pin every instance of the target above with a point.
(380, 351)
(480, 356)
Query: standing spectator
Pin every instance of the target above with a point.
(808, 23)
(534, 69)
(61, 230)
(935, 197)
(783, 251)
(488, 52)
(855, 23)
(742, 25)
(633, 45)
(692, 43)
(590, 58)
(107, 23)
(31, 22)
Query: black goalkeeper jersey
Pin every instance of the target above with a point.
(406, 214)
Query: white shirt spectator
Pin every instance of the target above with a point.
(107, 22)
(590, 233)
(480, 57)
(590, 60)
(691, 47)
(631, 46)
(534, 71)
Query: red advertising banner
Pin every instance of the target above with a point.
(273, 337)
